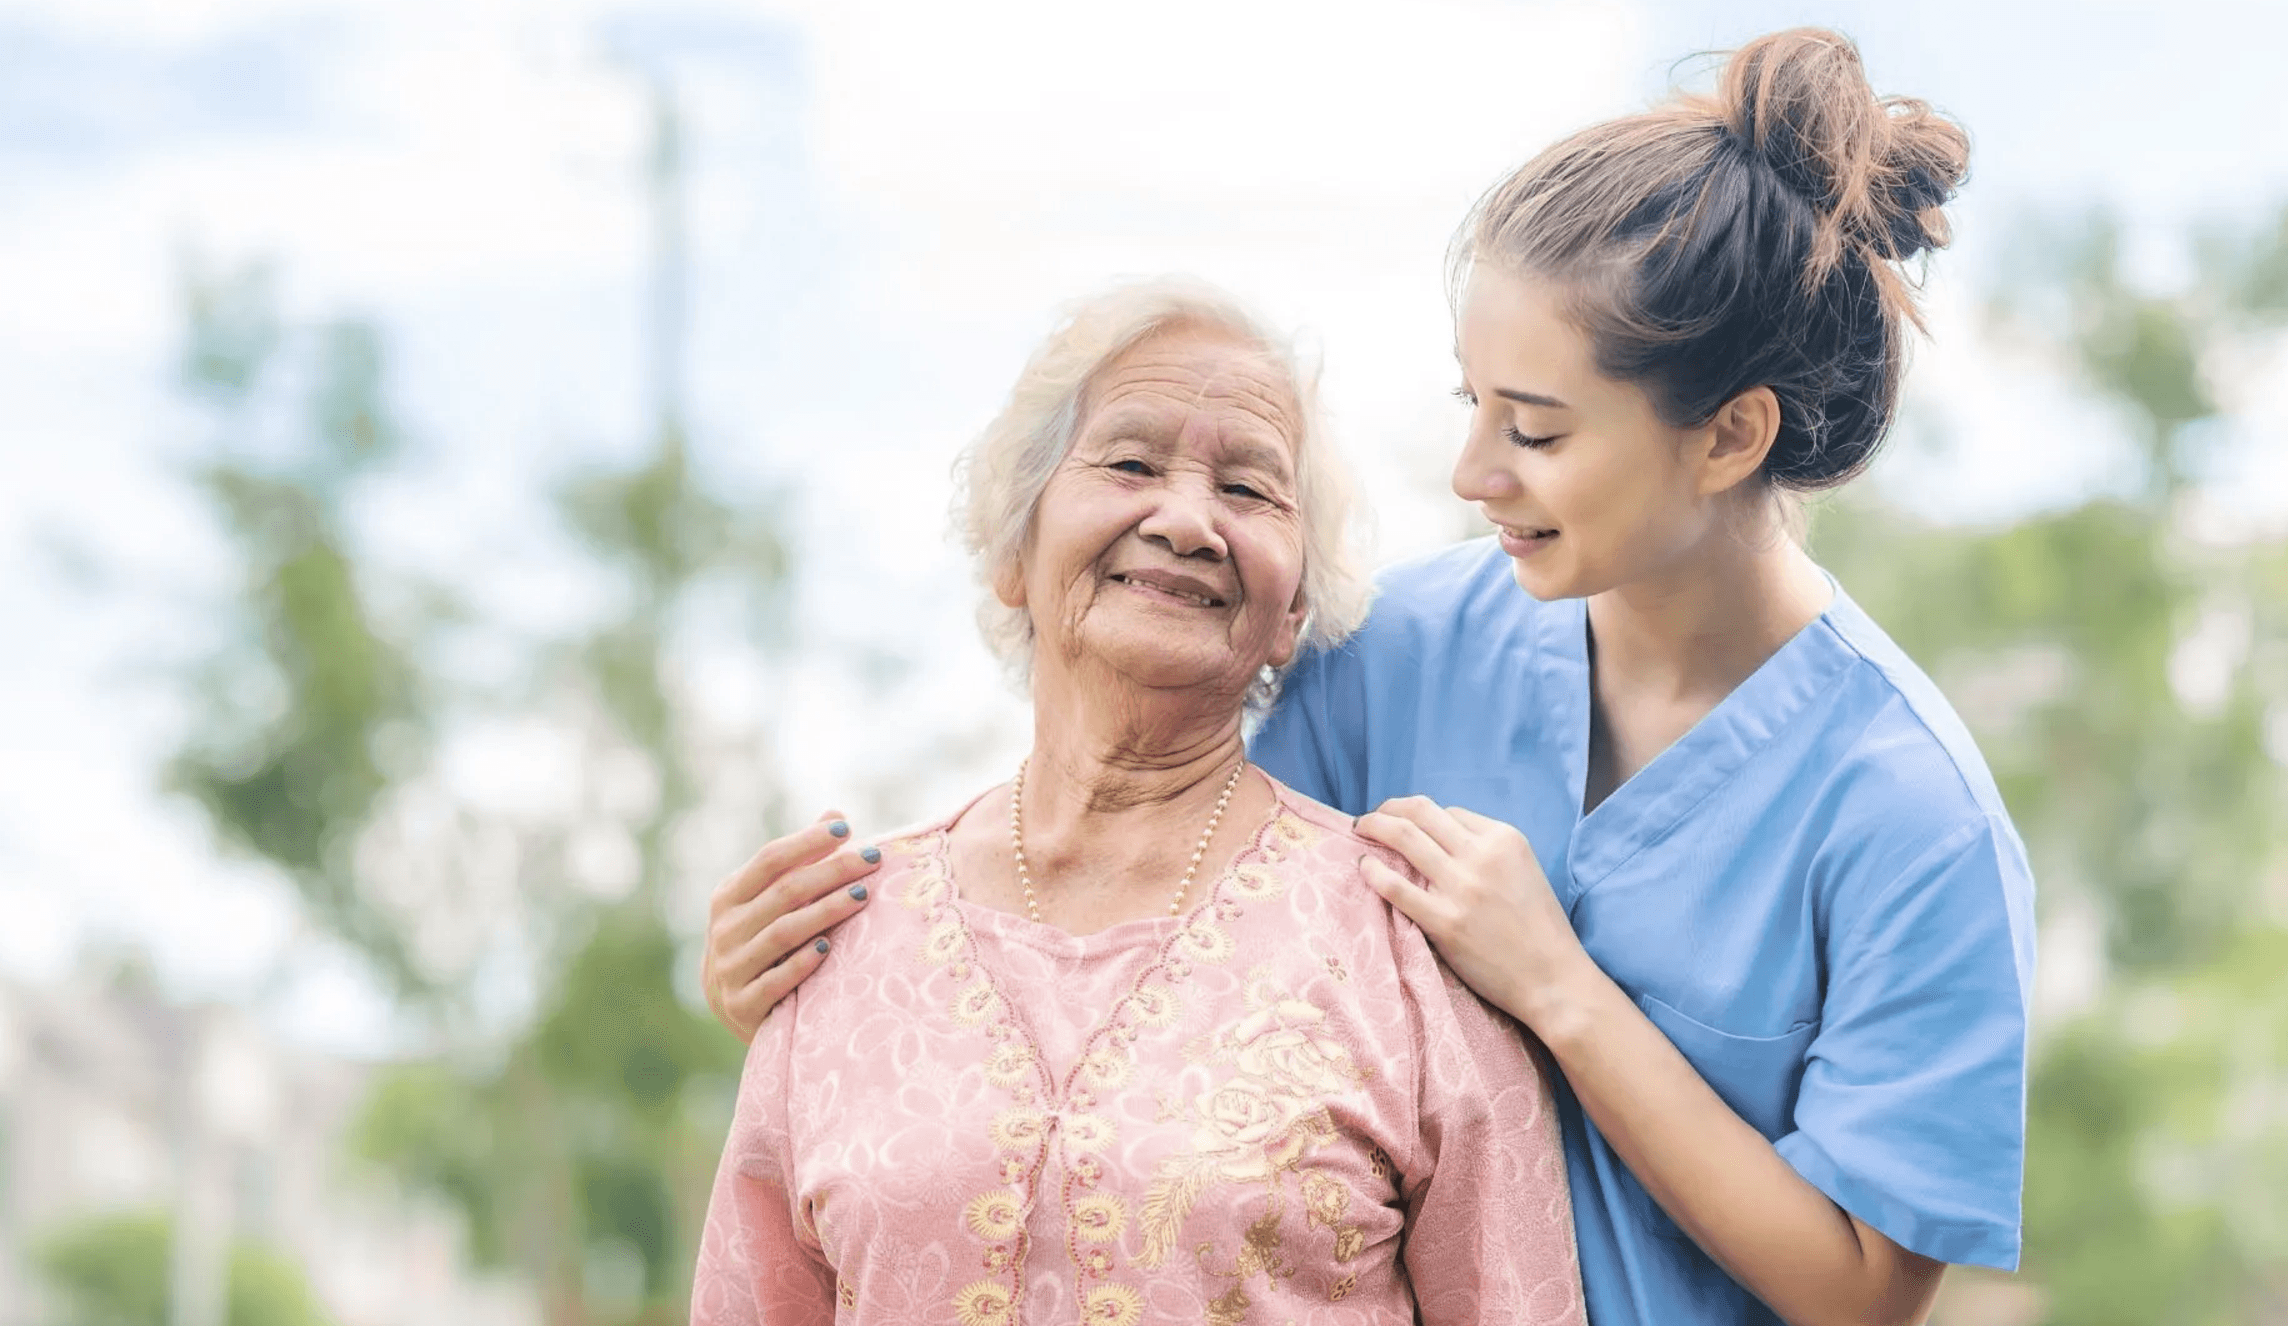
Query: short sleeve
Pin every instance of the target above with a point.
(1912, 1109)
(757, 1267)
(1489, 1220)
(1315, 739)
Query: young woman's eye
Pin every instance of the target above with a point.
(1518, 439)
(1466, 396)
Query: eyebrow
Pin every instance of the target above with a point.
(1531, 398)
(1145, 425)
(1262, 456)
(1521, 397)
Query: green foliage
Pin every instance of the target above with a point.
(579, 1152)
(298, 697)
(112, 1271)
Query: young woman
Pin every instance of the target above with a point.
(1683, 810)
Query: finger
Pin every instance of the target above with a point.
(1435, 820)
(1410, 840)
(1418, 904)
(778, 937)
(776, 857)
(747, 1007)
(1481, 825)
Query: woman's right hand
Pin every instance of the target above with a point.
(767, 923)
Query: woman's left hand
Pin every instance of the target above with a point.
(1487, 907)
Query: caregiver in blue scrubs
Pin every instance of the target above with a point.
(1682, 809)
(1677, 804)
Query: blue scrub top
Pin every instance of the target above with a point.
(1815, 894)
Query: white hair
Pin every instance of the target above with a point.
(1000, 477)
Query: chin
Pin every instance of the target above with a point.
(1544, 583)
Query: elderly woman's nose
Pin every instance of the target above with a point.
(1183, 519)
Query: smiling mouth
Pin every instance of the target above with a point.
(1526, 533)
(1179, 593)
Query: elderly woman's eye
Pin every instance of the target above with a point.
(1131, 467)
(1243, 490)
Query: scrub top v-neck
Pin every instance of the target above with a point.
(1814, 893)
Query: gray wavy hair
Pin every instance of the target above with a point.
(1000, 476)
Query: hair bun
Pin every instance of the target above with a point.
(1879, 171)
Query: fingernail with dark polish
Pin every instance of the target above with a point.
(871, 855)
(858, 891)
(839, 828)
(821, 945)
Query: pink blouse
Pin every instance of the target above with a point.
(1278, 1108)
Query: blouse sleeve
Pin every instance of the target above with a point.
(758, 1264)
(1489, 1221)
(1912, 1110)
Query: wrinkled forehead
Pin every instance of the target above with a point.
(1178, 372)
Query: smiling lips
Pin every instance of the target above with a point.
(1182, 588)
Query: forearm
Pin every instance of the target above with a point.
(1713, 1173)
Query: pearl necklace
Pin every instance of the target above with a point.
(1199, 850)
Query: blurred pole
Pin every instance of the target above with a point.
(668, 294)
(198, 1266)
(229, 1104)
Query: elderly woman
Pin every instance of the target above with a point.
(1133, 1041)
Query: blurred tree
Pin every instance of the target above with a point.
(584, 1155)
(580, 1149)
(112, 1271)
(2121, 674)
(299, 698)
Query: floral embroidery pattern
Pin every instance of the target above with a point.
(1255, 1126)
(1251, 1128)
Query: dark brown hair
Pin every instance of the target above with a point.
(1750, 237)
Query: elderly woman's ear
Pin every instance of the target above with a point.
(1298, 612)
(1009, 583)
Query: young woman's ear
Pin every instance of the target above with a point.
(1738, 439)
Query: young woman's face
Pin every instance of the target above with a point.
(1588, 487)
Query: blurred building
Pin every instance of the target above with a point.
(112, 1098)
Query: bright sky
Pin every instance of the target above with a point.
(888, 201)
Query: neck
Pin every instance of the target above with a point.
(1146, 749)
(1697, 630)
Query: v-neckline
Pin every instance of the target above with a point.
(1648, 805)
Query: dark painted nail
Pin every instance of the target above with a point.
(871, 855)
(839, 828)
(858, 891)
(821, 944)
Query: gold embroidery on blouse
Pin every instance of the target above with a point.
(1259, 1121)
(1229, 1309)
(1254, 1128)
(1104, 1068)
(1342, 1288)
(994, 1216)
(1088, 1134)
(975, 1002)
(982, 1304)
(1008, 1063)
(1112, 1305)
(1100, 1217)
(943, 944)
(846, 1293)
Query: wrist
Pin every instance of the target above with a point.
(1561, 1008)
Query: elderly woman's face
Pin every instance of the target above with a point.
(1168, 544)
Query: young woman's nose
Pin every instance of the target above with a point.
(1482, 472)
